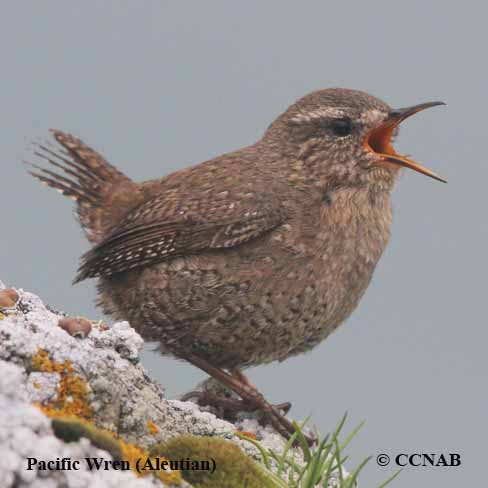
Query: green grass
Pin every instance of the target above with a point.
(324, 463)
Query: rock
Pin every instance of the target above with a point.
(8, 298)
(96, 379)
(75, 326)
(25, 432)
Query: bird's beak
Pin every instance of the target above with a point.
(378, 140)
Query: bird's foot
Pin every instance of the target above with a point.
(251, 398)
(229, 404)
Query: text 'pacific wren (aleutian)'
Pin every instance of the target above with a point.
(253, 256)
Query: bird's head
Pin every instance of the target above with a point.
(344, 136)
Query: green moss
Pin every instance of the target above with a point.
(71, 430)
(233, 468)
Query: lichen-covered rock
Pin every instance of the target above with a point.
(93, 380)
(73, 388)
(25, 432)
(98, 378)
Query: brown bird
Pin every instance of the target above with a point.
(251, 257)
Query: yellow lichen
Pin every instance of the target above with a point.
(2, 316)
(247, 434)
(70, 429)
(152, 427)
(72, 392)
(132, 453)
(71, 414)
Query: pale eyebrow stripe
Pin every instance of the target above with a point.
(372, 115)
(317, 114)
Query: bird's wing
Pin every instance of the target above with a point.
(157, 231)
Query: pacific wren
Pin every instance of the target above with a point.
(253, 256)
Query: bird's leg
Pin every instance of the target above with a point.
(240, 376)
(232, 404)
(249, 395)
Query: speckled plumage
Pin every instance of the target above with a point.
(250, 257)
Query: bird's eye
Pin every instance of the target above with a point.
(341, 127)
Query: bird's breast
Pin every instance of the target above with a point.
(333, 250)
(347, 230)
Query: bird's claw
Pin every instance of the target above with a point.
(257, 403)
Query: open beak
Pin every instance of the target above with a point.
(378, 140)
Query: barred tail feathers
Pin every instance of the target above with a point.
(90, 180)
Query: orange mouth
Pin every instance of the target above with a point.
(378, 140)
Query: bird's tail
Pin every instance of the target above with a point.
(88, 179)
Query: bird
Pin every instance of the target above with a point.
(253, 256)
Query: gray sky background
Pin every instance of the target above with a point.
(157, 86)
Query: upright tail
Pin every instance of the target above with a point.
(92, 181)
